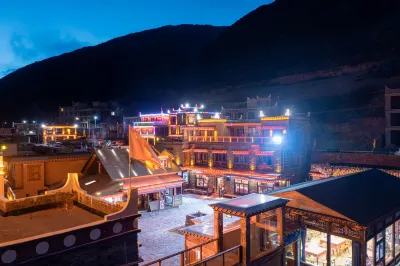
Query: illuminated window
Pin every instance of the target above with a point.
(388, 243)
(397, 237)
(242, 187)
(201, 181)
(370, 252)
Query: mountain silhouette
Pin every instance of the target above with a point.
(268, 47)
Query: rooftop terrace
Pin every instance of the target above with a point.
(44, 221)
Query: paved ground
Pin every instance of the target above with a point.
(159, 235)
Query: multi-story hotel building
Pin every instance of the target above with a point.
(152, 127)
(239, 154)
(59, 133)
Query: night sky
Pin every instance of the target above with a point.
(35, 30)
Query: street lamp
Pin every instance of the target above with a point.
(95, 119)
(24, 121)
(77, 118)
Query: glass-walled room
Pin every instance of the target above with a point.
(384, 248)
(316, 249)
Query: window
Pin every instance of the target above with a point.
(201, 181)
(341, 251)
(397, 237)
(389, 243)
(34, 173)
(265, 237)
(370, 252)
(379, 251)
(316, 247)
(251, 115)
(201, 158)
(241, 187)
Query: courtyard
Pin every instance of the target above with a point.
(160, 236)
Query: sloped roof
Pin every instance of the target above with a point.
(363, 197)
(251, 203)
(116, 163)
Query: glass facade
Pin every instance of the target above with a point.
(341, 251)
(389, 244)
(315, 247)
(264, 233)
(370, 252)
(397, 238)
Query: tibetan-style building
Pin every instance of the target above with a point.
(106, 175)
(69, 227)
(348, 220)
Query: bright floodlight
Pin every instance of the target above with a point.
(77, 118)
(43, 125)
(195, 109)
(261, 114)
(202, 106)
(198, 117)
(287, 112)
(216, 116)
(277, 139)
(187, 105)
(34, 121)
(168, 111)
(95, 118)
(24, 121)
(30, 132)
(76, 125)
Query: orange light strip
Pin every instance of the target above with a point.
(241, 124)
(220, 120)
(240, 152)
(272, 118)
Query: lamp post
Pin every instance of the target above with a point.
(95, 120)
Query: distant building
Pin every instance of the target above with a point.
(392, 117)
(152, 127)
(250, 109)
(241, 155)
(97, 119)
(56, 133)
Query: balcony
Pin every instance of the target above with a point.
(255, 140)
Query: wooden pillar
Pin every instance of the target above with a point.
(280, 214)
(328, 247)
(357, 253)
(245, 240)
(218, 230)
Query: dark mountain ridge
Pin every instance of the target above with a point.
(252, 57)
(118, 69)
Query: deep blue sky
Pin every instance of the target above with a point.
(34, 30)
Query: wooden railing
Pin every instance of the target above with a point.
(256, 140)
(229, 257)
(183, 256)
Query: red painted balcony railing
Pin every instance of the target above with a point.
(256, 140)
